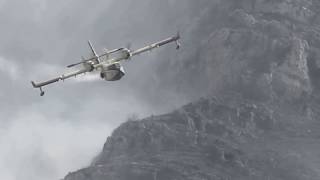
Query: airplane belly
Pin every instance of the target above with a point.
(112, 75)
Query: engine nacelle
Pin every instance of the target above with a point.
(112, 73)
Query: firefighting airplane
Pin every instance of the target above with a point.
(108, 63)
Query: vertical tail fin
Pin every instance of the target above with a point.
(92, 50)
(94, 54)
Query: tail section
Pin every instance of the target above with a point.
(94, 54)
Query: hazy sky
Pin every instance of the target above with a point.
(46, 137)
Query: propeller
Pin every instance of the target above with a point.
(129, 45)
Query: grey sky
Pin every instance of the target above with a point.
(44, 138)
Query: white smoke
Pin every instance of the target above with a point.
(35, 147)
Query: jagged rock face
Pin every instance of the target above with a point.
(264, 49)
(261, 58)
(210, 139)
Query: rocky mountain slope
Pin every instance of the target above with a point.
(257, 65)
(211, 139)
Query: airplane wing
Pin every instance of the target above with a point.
(62, 77)
(158, 44)
(94, 63)
(88, 66)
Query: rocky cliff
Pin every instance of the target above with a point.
(263, 49)
(227, 138)
(256, 62)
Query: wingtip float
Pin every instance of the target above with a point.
(107, 63)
